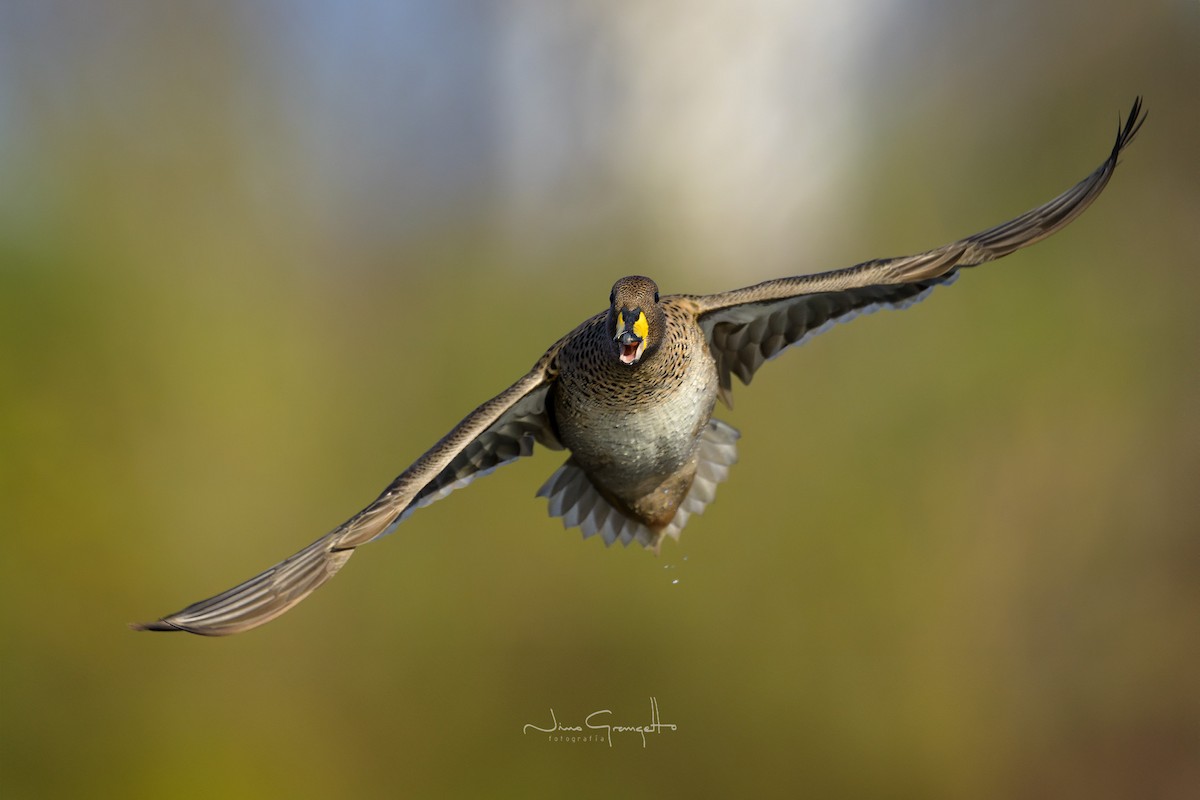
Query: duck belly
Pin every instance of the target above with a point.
(638, 443)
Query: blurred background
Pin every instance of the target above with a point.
(255, 258)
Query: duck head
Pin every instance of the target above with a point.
(635, 319)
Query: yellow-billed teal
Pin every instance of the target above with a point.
(630, 393)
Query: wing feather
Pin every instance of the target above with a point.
(746, 327)
(500, 431)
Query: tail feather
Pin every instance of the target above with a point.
(573, 498)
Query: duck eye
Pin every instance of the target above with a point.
(656, 297)
(612, 298)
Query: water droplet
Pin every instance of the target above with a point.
(675, 581)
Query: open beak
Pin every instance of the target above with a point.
(631, 346)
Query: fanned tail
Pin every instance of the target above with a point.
(581, 505)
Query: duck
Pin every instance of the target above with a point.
(630, 395)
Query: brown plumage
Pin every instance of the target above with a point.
(630, 393)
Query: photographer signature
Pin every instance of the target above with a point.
(598, 721)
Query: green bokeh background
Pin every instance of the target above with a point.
(959, 557)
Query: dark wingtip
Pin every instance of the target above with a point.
(157, 625)
(1133, 124)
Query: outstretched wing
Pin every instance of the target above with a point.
(500, 431)
(745, 327)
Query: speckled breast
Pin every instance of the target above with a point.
(631, 427)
